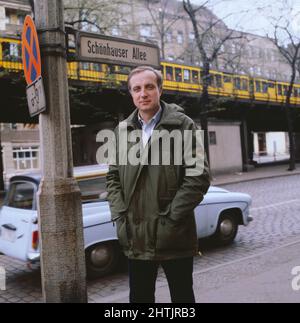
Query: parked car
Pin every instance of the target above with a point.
(218, 217)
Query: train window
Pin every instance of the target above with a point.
(219, 80)
(295, 92)
(244, 85)
(227, 79)
(97, 67)
(178, 74)
(11, 51)
(186, 76)
(209, 78)
(257, 86)
(264, 87)
(85, 66)
(124, 70)
(201, 76)
(237, 83)
(111, 69)
(271, 85)
(251, 83)
(195, 77)
(285, 90)
(169, 73)
(279, 89)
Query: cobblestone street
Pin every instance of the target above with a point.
(276, 213)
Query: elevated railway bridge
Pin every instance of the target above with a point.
(98, 94)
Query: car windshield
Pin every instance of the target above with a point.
(21, 195)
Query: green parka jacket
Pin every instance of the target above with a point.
(153, 205)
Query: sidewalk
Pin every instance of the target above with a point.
(265, 278)
(261, 172)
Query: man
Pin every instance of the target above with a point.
(154, 204)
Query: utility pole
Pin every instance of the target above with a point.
(60, 212)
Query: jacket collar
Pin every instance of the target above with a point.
(171, 116)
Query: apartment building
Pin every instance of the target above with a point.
(12, 15)
(164, 23)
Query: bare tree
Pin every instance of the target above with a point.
(100, 16)
(163, 18)
(288, 45)
(210, 36)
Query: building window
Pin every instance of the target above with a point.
(258, 70)
(233, 48)
(7, 18)
(115, 31)
(191, 36)
(169, 37)
(146, 31)
(180, 37)
(21, 19)
(26, 157)
(212, 138)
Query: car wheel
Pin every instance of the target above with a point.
(227, 229)
(101, 259)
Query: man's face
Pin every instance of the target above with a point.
(145, 91)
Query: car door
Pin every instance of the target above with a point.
(18, 218)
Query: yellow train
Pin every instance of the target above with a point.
(177, 77)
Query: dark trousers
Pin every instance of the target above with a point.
(143, 274)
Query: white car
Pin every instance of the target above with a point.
(218, 216)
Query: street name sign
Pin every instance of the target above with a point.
(31, 59)
(111, 50)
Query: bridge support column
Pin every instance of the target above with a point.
(247, 146)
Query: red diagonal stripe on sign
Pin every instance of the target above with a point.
(32, 60)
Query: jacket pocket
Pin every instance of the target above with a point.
(170, 235)
(166, 211)
(173, 235)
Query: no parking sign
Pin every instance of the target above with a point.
(31, 58)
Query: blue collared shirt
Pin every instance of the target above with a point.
(147, 128)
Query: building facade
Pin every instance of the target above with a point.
(12, 15)
(165, 23)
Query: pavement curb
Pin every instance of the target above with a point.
(241, 180)
(122, 297)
